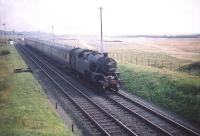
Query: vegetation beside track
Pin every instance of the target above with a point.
(4, 52)
(24, 108)
(174, 91)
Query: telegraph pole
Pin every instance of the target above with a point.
(52, 34)
(4, 31)
(102, 47)
(13, 35)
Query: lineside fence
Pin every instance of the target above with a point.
(157, 63)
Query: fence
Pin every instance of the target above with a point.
(157, 63)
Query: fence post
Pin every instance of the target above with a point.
(148, 62)
(136, 60)
(125, 57)
(162, 63)
(189, 69)
(72, 127)
(131, 59)
(56, 105)
(121, 58)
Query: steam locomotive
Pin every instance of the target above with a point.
(97, 67)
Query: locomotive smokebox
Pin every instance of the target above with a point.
(105, 54)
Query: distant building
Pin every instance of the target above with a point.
(11, 42)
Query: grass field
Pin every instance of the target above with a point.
(183, 49)
(24, 108)
(171, 54)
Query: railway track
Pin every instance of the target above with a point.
(152, 116)
(132, 120)
(126, 106)
(105, 123)
(130, 109)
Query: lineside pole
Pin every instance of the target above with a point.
(4, 31)
(102, 48)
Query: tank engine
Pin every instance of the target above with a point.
(95, 66)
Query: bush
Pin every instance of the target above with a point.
(4, 52)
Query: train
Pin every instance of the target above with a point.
(97, 67)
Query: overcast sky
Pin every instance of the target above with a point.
(119, 16)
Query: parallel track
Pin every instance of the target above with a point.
(152, 116)
(104, 121)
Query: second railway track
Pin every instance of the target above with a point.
(152, 116)
(129, 108)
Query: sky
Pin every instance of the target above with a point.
(120, 17)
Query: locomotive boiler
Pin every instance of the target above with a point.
(97, 67)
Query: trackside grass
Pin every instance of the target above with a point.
(24, 108)
(174, 91)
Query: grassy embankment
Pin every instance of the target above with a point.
(24, 109)
(175, 91)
